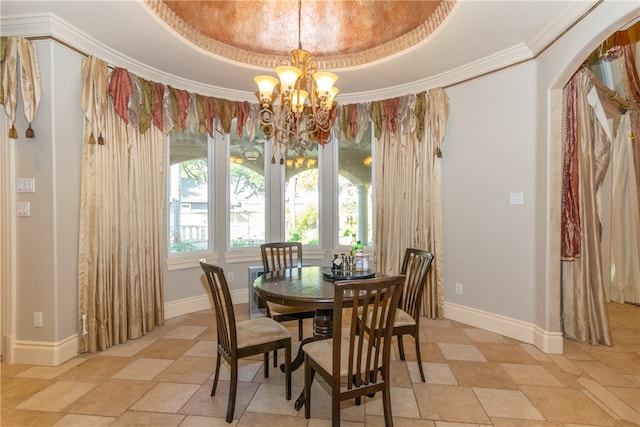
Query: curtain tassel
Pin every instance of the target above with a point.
(13, 133)
(100, 140)
(29, 133)
(92, 139)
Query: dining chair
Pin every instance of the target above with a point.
(237, 340)
(355, 362)
(280, 256)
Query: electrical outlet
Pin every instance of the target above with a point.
(230, 276)
(37, 319)
(459, 288)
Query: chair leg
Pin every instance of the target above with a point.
(287, 370)
(215, 377)
(266, 364)
(275, 358)
(400, 347)
(335, 409)
(386, 405)
(417, 340)
(231, 406)
(300, 325)
(308, 379)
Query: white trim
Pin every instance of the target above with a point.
(546, 341)
(198, 303)
(46, 353)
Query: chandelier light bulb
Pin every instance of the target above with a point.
(324, 82)
(266, 85)
(288, 77)
(298, 99)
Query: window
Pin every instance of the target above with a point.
(355, 192)
(188, 216)
(302, 197)
(247, 213)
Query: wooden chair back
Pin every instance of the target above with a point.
(281, 255)
(415, 267)
(376, 299)
(225, 316)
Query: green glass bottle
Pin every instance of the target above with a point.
(359, 255)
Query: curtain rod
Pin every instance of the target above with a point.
(611, 94)
(57, 40)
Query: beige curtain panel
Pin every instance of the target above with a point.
(120, 285)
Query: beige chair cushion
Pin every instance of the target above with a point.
(279, 310)
(322, 352)
(259, 331)
(402, 318)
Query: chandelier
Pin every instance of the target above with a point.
(296, 110)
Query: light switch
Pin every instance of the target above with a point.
(516, 198)
(24, 208)
(26, 185)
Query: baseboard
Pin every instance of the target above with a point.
(44, 353)
(201, 302)
(548, 342)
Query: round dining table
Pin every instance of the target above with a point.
(307, 287)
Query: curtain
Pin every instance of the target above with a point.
(408, 207)
(586, 149)
(18, 61)
(625, 224)
(120, 294)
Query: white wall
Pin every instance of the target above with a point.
(488, 153)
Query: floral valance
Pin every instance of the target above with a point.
(16, 51)
(143, 103)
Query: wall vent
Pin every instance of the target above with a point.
(257, 306)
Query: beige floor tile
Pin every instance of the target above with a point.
(133, 347)
(143, 369)
(504, 353)
(165, 397)
(435, 373)
(248, 369)
(400, 374)
(192, 370)
(15, 390)
(95, 369)
(197, 421)
(461, 352)
(28, 418)
(602, 373)
(75, 420)
(511, 422)
(321, 405)
(110, 399)
(403, 404)
(378, 421)
(185, 332)
(449, 403)
(482, 374)
(203, 404)
(203, 348)
(530, 375)
(50, 372)
(253, 419)
(567, 405)
(621, 362)
(202, 318)
(57, 396)
(445, 335)
(616, 405)
(507, 404)
(167, 348)
(136, 418)
(629, 395)
(270, 399)
(480, 335)
(534, 352)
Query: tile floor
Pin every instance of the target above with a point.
(474, 378)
